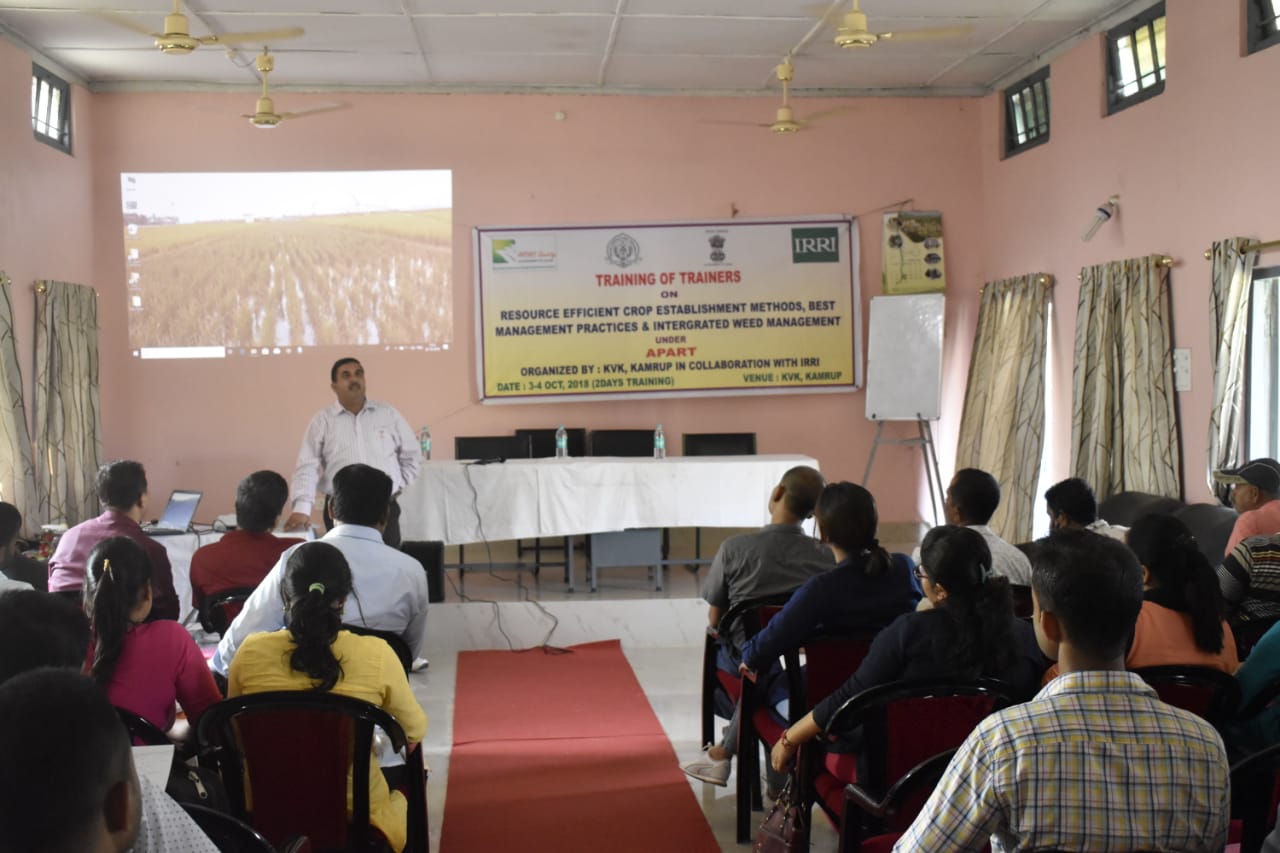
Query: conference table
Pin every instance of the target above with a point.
(461, 503)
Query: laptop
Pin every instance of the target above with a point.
(177, 514)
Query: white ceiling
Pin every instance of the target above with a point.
(584, 46)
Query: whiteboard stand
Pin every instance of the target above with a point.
(925, 442)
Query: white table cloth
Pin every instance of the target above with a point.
(459, 503)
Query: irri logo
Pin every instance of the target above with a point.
(815, 245)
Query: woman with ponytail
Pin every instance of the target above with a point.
(313, 653)
(1181, 618)
(145, 667)
(968, 633)
(867, 589)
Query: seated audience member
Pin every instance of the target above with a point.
(16, 567)
(67, 780)
(1096, 761)
(122, 488)
(1181, 618)
(1072, 506)
(1249, 579)
(866, 590)
(970, 632)
(1255, 487)
(242, 557)
(38, 629)
(776, 559)
(390, 586)
(41, 630)
(1258, 672)
(314, 653)
(143, 666)
(971, 499)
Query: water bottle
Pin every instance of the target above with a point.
(659, 443)
(562, 443)
(424, 442)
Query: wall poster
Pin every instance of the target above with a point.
(737, 307)
(911, 252)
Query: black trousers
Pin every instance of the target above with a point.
(390, 535)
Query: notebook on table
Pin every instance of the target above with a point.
(177, 514)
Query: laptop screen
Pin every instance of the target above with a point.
(181, 509)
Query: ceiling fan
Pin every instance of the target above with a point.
(785, 120)
(852, 31)
(176, 36)
(264, 115)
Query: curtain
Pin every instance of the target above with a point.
(17, 473)
(68, 425)
(1002, 424)
(1124, 431)
(1228, 331)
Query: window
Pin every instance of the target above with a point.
(1026, 113)
(1135, 60)
(1263, 21)
(1262, 369)
(51, 108)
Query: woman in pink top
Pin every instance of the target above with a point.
(144, 666)
(1181, 617)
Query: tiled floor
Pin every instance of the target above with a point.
(661, 633)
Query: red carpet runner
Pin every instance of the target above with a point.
(561, 752)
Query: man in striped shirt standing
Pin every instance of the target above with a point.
(1096, 762)
(353, 429)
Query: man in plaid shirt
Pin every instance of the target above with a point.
(1096, 762)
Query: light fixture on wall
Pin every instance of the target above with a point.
(1105, 211)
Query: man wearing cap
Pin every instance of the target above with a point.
(1255, 488)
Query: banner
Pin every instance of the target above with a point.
(912, 253)
(701, 308)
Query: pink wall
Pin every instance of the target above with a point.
(203, 424)
(1186, 165)
(46, 229)
(1191, 166)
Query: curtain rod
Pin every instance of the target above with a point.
(1248, 247)
(1161, 260)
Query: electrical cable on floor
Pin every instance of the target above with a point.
(521, 590)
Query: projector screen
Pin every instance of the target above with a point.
(270, 263)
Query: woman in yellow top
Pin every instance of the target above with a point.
(313, 653)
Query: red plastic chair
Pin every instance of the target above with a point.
(1208, 693)
(295, 751)
(219, 610)
(903, 725)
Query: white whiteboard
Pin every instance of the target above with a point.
(904, 357)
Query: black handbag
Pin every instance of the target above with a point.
(785, 828)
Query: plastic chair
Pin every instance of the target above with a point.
(1022, 604)
(219, 610)
(1255, 793)
(431, 555)
(620, 442)
(830, 658)
(141, 730)
(896, 809)
(715, 444)
(749, 614)
(1209, 693)
(491, 447)
(403, 653)
(903, 724)
(232, 835)
(297, 751)
(542, 442)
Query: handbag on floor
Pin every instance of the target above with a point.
(785, 828)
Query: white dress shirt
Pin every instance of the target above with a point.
(377, 435)
(1006, 560)
(389, 593)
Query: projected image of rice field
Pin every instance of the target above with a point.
(378, 278)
